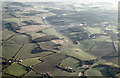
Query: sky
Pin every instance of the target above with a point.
(111, 1)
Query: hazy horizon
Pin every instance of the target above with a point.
(109, 1)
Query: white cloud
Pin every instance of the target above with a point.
(83, 1)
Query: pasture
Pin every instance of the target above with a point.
(52, 31)
(93, 72)
(75, 51)
(93, 30)
(30, 61)
(18, 39)
(70, 62)
(32, 28)
(86, 45)
(6, 34)
(35, 35)
(102, 49)
(16, 70)
(31, 73)
(49, 64)
(25, 52)
(8, 50)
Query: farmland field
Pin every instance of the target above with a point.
(6, 34)
(65, 38)
(31, 61)
(32, 28)
(92, 72)
(26, 51)
(49, 63)
(76, 52)
(101, 50)
(15, 69)
(31, 73)
(18, 39)
(35, 35)
(70, 62)
(86, 44)
(9, 51)
(74, 63)
(93, 30)
(52, 31)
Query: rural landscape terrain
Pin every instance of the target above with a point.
(52, 39)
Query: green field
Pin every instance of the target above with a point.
(73, 63)
(71, 51)
(19, 20)
(25, 52)
(41, 54)
(102, 49)
(70, 62)
(80, 55)
(92, 72)
(49, 45)
(6, 34)
(31, 61)
(103, 38)
(59, 72)
(93, 30)
(8, 50)
(102, 69)
(35, 35)
(31, 73)
(50, 63)
(86, 44)
(15, 69)
(52, 31)
(18, 39)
